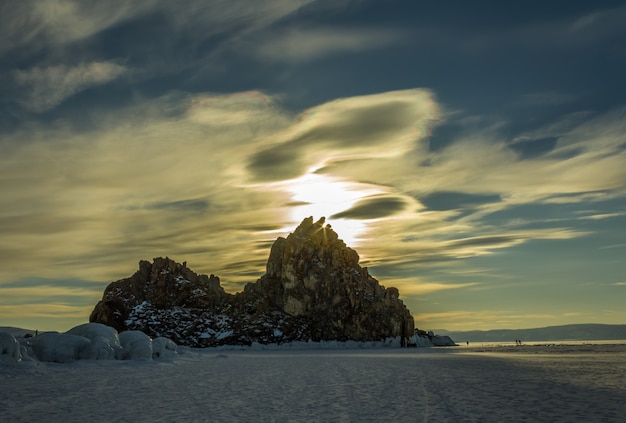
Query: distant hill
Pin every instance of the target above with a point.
(580, 332)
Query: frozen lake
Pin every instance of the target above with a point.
(458, 384)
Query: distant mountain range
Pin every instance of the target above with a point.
(580, 332)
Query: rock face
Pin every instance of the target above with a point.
(162, 285)
(313, 289)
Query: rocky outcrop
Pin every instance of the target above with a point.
(163, 284)
(313, 289)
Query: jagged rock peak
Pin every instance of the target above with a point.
(310, 244)
(316, 232)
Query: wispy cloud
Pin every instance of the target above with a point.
(36, 25)
(548, 98)
(68, 39)
(614, 246)
(415, 287)
(45, 88)
(602, 216)
(554, 34)
(48, 310)
(300, 45)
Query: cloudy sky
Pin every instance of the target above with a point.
(473, 154)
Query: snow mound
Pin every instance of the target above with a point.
(90, 341)
(95, 330)
(163, 348)
(59, 347)
(136, 345)
(104, 341)
(9, 347)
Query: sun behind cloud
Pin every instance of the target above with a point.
(323, 196)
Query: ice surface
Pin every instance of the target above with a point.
(301, 384)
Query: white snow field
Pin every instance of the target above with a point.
(581, 383)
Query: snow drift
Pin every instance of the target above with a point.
(91, 341)
(9, 347)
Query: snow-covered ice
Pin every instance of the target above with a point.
(300, 384)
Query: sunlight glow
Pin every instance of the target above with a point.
(320, 195)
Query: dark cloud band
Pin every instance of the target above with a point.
(373, 208)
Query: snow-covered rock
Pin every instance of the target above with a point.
(60, 347)
(136, 345)
(9, 347)
(442, 341)
(420, 341)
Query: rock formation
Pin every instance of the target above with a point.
(313, 289)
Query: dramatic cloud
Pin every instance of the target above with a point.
(190, 184)
(132, 189)
(380, 125)
(204, 129)
(213, 178)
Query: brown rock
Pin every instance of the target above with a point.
(164, 284)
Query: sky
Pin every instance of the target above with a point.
(473, 154)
